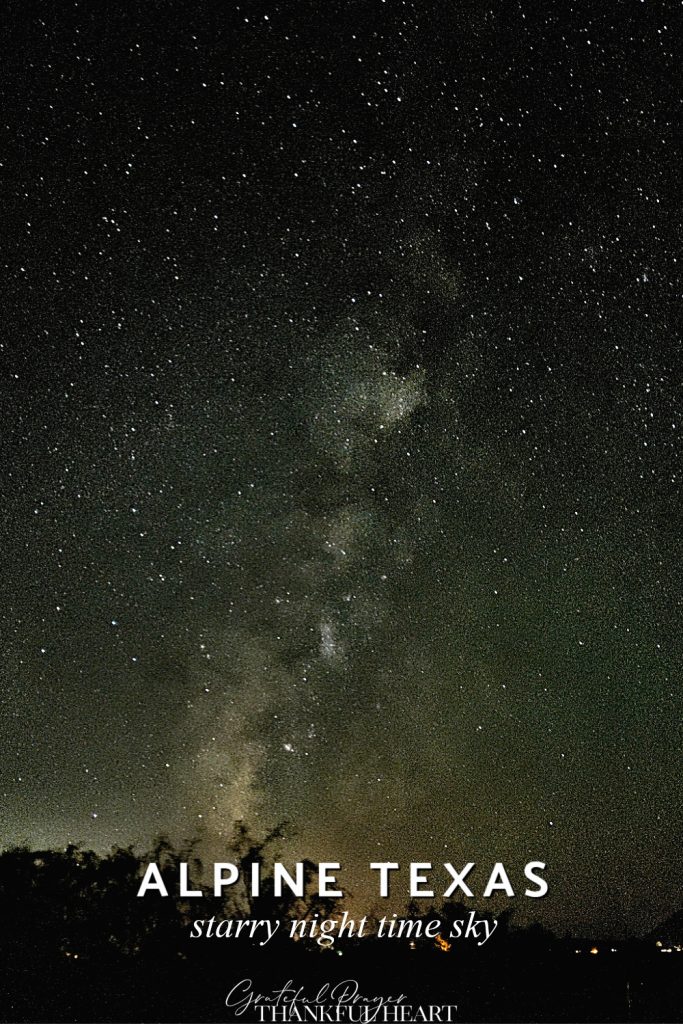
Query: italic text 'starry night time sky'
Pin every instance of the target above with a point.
(340, 434)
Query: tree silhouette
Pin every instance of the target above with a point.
(76, 943)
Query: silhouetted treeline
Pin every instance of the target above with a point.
(76, 944)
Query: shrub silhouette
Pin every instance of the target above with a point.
(77, 944)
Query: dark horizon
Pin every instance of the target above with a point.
(519, 913)
(237, 899)
(75, 946)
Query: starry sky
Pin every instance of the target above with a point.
(341, 415)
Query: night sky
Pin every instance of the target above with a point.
(340, 435)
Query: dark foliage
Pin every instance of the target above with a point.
(77, 944)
